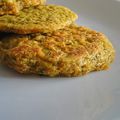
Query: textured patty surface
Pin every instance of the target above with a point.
(44, 18)
(14, 6)
(72, 51)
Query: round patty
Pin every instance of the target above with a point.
(72, 51)
(46, 18)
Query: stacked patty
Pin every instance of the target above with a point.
(45, 18)
(44, 40)
(13, 7)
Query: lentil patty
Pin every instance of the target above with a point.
(14, 6)
(72, 51)
(44, 18)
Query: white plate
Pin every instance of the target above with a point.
(92, 97)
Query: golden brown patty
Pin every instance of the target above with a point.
(71, 51)
(13, 6)
(38, 19)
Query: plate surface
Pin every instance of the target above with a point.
(95, 96)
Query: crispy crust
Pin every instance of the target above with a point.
(72, 51)
(38, 19)
(9, 8)
(1, 53)
(13, 7)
